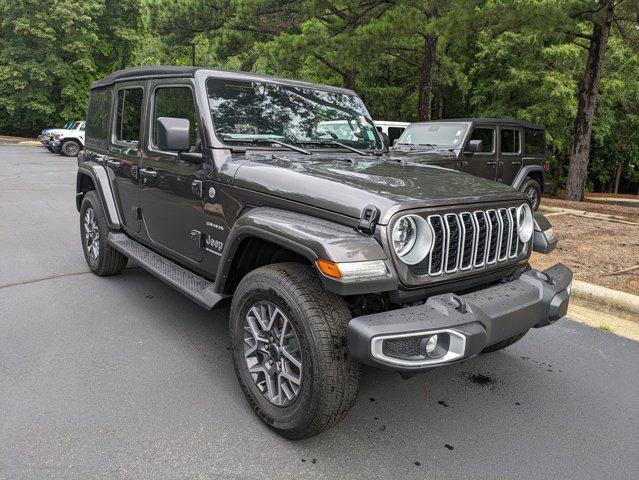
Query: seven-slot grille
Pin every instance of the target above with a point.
(469, 240)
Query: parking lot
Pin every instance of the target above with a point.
(123, 377)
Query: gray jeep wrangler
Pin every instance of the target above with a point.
(331, 253)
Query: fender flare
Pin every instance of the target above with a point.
(100, 178)
(311, 238)
(525, 172)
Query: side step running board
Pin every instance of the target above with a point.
(196, 288)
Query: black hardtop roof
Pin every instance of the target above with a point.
(143, 73)
(501, 121)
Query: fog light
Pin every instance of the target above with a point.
(431, 344)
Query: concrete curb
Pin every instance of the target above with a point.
(583, 213)
(607, 296)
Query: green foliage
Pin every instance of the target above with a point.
(51, 51)
(408, 59)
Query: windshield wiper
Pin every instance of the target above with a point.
(336, 143)
(267, 140)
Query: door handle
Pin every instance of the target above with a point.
(491, 163)
(516, 162)
(148, 173)
(98, 158)
(113, 163)
(464, 163)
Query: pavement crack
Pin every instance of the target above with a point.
(44, 279)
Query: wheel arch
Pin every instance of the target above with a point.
(281, 235)
(92, 176)
(536, 172)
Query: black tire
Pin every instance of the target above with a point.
(329, 377)
(108, 260)
(505, 343)
(532, 188)
(70, 148)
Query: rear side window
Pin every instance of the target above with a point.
(394, 133)
(509, 140)
(127, 125)
(97, 126)
(176, 102)
(487, 137)
(535, 141)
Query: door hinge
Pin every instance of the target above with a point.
(196, 237)
(368, 219)
(196, 188)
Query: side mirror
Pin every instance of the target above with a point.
(474, 146)
(173, 134)
(385, 139)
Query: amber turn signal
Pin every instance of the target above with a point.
(329, 269)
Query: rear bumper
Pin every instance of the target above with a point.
(465, 324)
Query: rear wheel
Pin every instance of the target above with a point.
(505, 343)
(70, 148)
(532, 188)
(102, 258)
(288, 340)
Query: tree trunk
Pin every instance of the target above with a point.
(440, 103)
(618, 176)
(426, 78)
(578, 168)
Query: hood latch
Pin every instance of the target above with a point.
(368, 219)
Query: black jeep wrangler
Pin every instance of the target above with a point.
(507, 151)
(331, 253)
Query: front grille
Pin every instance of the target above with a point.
(470, 240)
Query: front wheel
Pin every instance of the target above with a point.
(288, 340)
(70, 148)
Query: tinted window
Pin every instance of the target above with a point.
(395, 132)
(97, 126)
(176, 102)
(487, 137)
(127, 125)
(509, 141)
(535, 141)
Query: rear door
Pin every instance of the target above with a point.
(534, 147)
(482, 163)
(125, 154)
(171, 187)
(510, 153)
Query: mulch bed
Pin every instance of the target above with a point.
(594, 249)
(629, 213)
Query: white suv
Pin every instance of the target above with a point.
(69, 142)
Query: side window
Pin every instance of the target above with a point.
(99, 111)
(394, 133)
(487, 137)
(534, 141)
(176, 102)
(127, 125)
(509, 140)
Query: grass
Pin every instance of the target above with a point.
(605, 328)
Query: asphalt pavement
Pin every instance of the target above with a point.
(123, 377)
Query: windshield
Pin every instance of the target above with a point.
(75, 126)
(244, 110)
(442, 134)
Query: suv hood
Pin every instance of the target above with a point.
(345, 184)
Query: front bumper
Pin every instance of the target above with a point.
(465, 324)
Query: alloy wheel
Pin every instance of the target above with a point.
(272, 353)
(91, 233)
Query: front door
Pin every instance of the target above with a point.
(484, 162)
(172, 188)
(123, 159)
(509, 154)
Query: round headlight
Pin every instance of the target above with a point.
(412, 239)
(525, 222)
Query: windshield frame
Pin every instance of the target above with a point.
(217, 139)
(466, 124)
